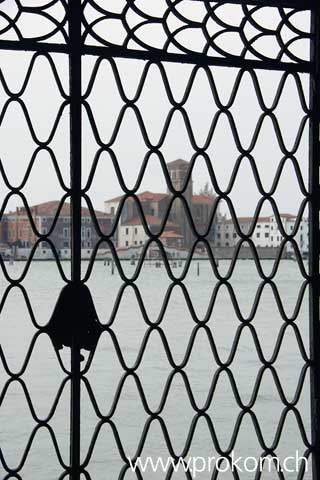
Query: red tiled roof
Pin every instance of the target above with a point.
(156, 197)
(152, 196)
(240, 220)
(249, 220)
(150, 219)
(49, 209)
(170, 234)
(287, 215)
(203, 199)
(260, 219)
(264, 219)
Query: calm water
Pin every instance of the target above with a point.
(43, 375)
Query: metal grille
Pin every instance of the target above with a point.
(207, 36)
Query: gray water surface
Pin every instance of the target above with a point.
(43, 375)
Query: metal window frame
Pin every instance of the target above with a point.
(75, 49)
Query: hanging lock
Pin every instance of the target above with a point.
(74, 317)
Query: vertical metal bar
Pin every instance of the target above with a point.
(314, 251)
(75, 175)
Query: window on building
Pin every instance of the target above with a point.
(65, 232)
(227, 235)
(218, 235)
(136, 230)
(141, 242)
(218, 244)
(112, 210)
(66, 244)
(258, 226)
(127, 231)
(234, 235)
(227, 244)
(258, 235)
(135, 242)
(66, 219)
(266, 235)
(301, 238)
(127, 243)
(266, 226)
(44, 231)
(271, 239)
(88, 232)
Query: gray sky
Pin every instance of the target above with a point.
(43, 102)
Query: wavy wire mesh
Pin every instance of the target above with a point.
(209, 28)
(142, 393)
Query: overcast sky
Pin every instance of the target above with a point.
(43, 101)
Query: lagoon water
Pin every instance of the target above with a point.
(210, 386)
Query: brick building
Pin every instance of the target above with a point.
(155, 206)
(16, 230)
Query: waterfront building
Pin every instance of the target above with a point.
(266, 232)
(155, 205)
(17, 232)
(178, 171)
(132, 233)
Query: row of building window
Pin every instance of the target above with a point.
(272, 238)
(135, 230)
(266, 235)
(66, 244)
(85, 233)
(135, 242)
(257, 226)
(66, 219)
(60, 251)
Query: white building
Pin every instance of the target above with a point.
(261, 234)
(266, 232)
(111, 206)
(287, 221)
(132, 233)
(289, 225)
